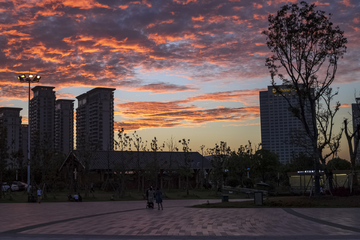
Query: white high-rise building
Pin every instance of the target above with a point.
(95, 120)
(64, 125)
(281, 132)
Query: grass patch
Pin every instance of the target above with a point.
(292, 202)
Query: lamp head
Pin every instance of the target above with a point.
(36, 78)
(22, 77)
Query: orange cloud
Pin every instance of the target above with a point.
(15, 33)
(199, 18)
(184, 2)
(260, 53)
(237, 8)
(138, 109)
(41, 51)
(13, 90)
(260, 17)
(237, 20)
(180, 113)
(236, 95)
(158, 23)
(280, 1)
(345, 105)
(347, 3)
(156, 88)
(219, 18)
(65, 96)
(48, 12)
(188, 117)
(257, 5)
(161, 39)
(145, 123)
(111, 42)
(83, 4)
(317, 3)
(146, 3)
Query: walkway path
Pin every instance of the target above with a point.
(130, 220)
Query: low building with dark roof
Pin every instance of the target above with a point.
(163, 169)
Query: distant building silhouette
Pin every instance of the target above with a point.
(95, 120)
(10, 121)
(355, 107)
(51, 122)
(42, 117)
(64, 125)
(281, 132)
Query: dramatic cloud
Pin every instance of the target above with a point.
(173, 118)
(102, 43)
(164, 88)
(201, 49)
(183, 113)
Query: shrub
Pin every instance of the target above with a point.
(233, 182)
(341, 192)
(248, 183)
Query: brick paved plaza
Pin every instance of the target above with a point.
(130, 220)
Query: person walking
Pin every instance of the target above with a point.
(39, 195)
(150, 198)
(158, 196)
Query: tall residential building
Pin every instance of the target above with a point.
(64, 125)
(356, 125)
(10, 122)
(95, 120)
(281, 132)
(42, 117)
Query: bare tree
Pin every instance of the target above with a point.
(220, 153)
(154, 167)
(185, 167)
(122, 166)
(139, 145)
(202, 167)
(306, 49)
(171, 145)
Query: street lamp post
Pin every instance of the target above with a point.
(29, 79)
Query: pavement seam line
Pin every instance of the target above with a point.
(320, 221)
(18, 230)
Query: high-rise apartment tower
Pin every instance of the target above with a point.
(64, 125)
(10, 122)
(281, 132)
(95, 120)
(42, 117)
(356, 125)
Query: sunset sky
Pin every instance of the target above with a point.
(181, 68)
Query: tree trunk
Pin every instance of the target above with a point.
(187, 185)
(317, 178)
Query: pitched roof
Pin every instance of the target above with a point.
(101, 160)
